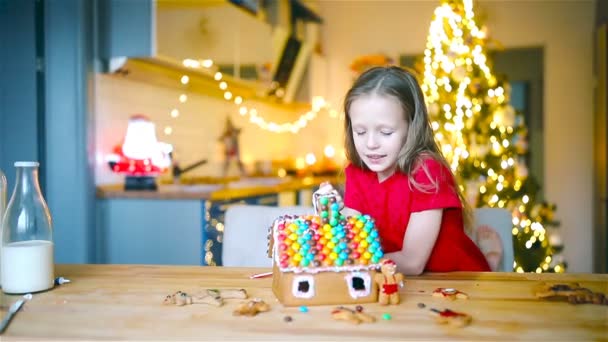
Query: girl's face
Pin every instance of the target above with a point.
(379, 132)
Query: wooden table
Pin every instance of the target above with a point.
(125, 302)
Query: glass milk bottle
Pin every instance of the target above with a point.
(27, 236)
(2, 208)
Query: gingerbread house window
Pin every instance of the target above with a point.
(359, 284)
(303, 286)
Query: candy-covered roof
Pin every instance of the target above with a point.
(326, 242)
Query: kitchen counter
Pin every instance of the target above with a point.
(126, 302)
(246, 187)
(185, 221)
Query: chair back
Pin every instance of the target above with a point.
(246, 233)
(492, 232)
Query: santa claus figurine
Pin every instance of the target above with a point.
(140, 156)
(230, 140)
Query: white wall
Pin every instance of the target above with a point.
(563, 28)
(196, 130)
(219, 31)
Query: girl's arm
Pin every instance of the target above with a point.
(418, 242)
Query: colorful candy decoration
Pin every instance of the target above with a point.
(317, 240)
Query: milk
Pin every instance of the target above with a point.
(27, 266)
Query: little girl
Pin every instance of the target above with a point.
(398, 176)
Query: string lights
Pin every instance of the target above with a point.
(248, 108)
(480, 133)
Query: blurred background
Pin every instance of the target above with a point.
(248, 94)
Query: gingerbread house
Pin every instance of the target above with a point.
(325, 258)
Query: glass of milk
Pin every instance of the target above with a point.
(27, 262)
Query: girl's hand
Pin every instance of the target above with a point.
(326, 189)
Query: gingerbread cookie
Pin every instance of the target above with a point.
(452, 318)
(210, 296)
(449, 293)
(351, 316)
(573, 293)
(180, 298)
(389, 282)
(251, 308)
(228, 293)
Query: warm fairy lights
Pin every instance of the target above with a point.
(455, 76)
(245, 108)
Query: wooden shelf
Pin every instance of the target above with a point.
(167, 72)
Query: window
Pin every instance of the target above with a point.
(359, 284)
(303, 286)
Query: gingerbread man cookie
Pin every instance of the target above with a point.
(573, 292)
(251, 308)
(389, 282)
(210, 296)
(452, 318)
(180, 298)
(449, 293)
(228, 293)
(351, 316)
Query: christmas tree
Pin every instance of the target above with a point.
(482, 136)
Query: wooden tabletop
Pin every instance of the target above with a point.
(126, 302)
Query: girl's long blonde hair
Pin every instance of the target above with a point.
(419, 142)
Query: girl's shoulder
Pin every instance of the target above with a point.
(428, 168)
(429, 162)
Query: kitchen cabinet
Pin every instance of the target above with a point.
(180, 225)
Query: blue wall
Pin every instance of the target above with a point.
(45, 114)
(19, 126)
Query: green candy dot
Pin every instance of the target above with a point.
(386, 316)
(324, 200)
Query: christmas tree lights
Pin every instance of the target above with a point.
(482, 136)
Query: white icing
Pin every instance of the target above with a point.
(311, 286)
(366, 281)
